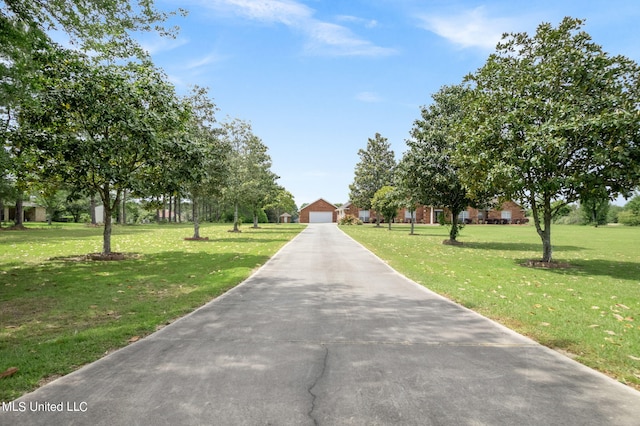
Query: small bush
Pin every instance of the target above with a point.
(628, 217)
(349, 220)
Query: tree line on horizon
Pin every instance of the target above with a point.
(550, 120)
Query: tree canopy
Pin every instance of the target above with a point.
(103, 27)
(250, 179)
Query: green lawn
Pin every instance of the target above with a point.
(590, 311)
(59, 311)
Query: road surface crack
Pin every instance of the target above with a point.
(315, 382)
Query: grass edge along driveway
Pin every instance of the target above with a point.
(59, 311)
(589, 311)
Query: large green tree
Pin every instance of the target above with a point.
(105, 129)
(552, 117)
(434, 138)
(259, 181)
(407, 188)
(203, 176)
(103, 27)
(374, 170)
(250, 181)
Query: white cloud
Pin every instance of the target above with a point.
(368, 23)
(471, 28)
(283, 11)
(370, 97)
(333, 39)
(159, 44)
(323, 37)
(206, 60)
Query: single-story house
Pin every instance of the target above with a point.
(509, 212)
(32, 212)
(320, 211)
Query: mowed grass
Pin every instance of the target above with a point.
(59, 311)
(590, 311)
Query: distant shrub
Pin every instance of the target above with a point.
(349, 220)
(628, 217)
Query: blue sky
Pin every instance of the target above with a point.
(317, 78)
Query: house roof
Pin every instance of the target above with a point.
(319, 199)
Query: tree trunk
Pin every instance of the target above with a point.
(255, 219)
(413, 222)
(196, 223)
(19, 219)
(108, 210)
(106, 234)
(170, 207)
(546, 238)
(544, 233)
(390, 224)
(92, 208)
(124, 208)
(455, 229)
(235, 219)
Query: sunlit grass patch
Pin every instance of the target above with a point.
(589, 310)
(59, 310)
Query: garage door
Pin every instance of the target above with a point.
(320, 217)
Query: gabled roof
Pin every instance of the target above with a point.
(319, 199)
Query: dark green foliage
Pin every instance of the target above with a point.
(428, 165)
(552, 117)
(374, 170)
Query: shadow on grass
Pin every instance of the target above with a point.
(238, 240)
(503, 246)
(597, 267)
(77, 281)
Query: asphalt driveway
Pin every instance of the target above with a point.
(327, 334)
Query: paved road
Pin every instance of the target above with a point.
(327, 334)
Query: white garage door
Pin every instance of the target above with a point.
(320, 217)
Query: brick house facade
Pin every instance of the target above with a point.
(317, 209)
(509, 212)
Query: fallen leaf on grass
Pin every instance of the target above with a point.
(594, 326)
(620, 305)
(134, 339)
(611, 333)
(9, 372)
(635, 358)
